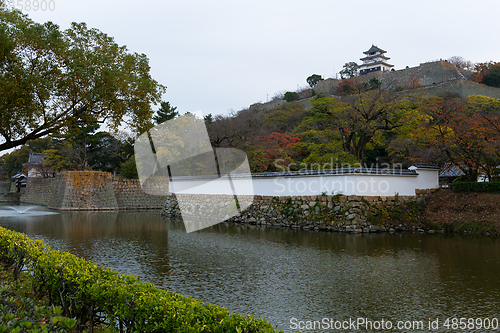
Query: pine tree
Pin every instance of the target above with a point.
(165, 112)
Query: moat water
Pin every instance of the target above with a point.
(289, 277)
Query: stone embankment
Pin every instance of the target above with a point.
(333, 213)
(90, 191)
(5, 194)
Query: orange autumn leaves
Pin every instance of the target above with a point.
(465, 132)
(265, 150)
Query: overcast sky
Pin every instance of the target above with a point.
(217, 56)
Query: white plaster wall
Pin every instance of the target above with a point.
(305, 185)
(384, 185)
(428, 178)
(351, 184)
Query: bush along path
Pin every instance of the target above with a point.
(81, 296)
(21, 312)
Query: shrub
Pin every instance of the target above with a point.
(128, 169)
(488, 187)
(98, 295)
(291, 96)
(19, 313)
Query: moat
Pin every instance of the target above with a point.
(282, 273)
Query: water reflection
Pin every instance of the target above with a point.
(284, 273)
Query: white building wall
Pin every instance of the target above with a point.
(345, 184)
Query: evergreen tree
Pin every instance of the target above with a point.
(165, 112)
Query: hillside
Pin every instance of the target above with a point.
(473, 212)
(382, 119)
(430, 78)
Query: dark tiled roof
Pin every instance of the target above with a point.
(451, 170)
(375, 63)
(19, 175)
(340, 171)
(36, 158)
(426, 166)
(375, 56)
(374, 49)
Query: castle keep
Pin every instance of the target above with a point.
(374, 61)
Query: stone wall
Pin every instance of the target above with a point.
(129, 195)
(332, 213)
(99, 191)
(6, 195)
(275, 104)
(462, 88)
(424, 75)
(4, 186)
(44, 191)
(90, 191)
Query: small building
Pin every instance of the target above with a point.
(35, 167)
(18, 182)
(374, 61)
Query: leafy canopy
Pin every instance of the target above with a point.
(314, 79)
(349, 70)
(291, 96)
(51, 79)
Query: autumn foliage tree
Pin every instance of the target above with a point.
(487, 73)
(51, 79)
(361, 117)
(264, 152)
(464, 131)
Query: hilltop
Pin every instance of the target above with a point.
(429, 78)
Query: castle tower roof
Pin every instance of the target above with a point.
(374, 49)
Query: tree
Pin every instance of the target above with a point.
(128, 169)
(464, 131)
(73, 150)
(51, 79)
(13, 162)
(346, 86)
(461, 63)
(321, 150)
(487, 73)
(291, 96)
(263, 152)
(314, 79)
(350, 69)
(165, 112)
(208, 119)
(285, 118)
(360, 118)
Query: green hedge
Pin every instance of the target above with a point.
(488, 187)
(97, 295)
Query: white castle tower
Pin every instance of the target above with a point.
(374, 61)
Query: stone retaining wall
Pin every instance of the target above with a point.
(6, 195)
(4, 186)
(12, 197)
(90, 191)
(332, 213)
(44, 191)
(129, 195)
